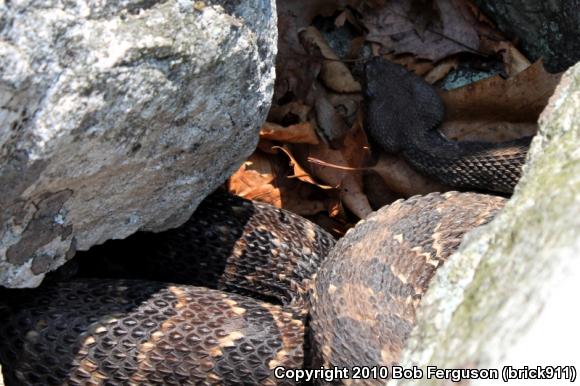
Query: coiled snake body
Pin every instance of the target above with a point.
(147, 332)
(244, 276)
(121, 332)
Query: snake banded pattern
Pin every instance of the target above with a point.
(184, 315)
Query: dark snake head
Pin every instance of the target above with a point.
(399, 105)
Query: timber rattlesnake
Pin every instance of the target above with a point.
(135, 331)
(244, 275)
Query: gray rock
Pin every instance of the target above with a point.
(491, 291)
(547, 29)
(121, 115)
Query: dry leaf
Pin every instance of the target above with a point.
(290, 113)
(299, 172)
(352, 155)
(345, 16)
(411, 63)
(495, 109)
(341, 19)
(441, 70)
(295, 69)
(299, 133)
(492, 41)
(347, 105)
(401, 178)
(452, 31)
(356, 47)
(334, 74)
(514, 61)
(377, 191)
(266, 146)
(261, 178)
(331, 123)
(335, 209)
(316, 97)
(255, 180)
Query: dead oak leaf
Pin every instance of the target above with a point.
(397, 28)
(331, 124)
(334, 74)
(351, 155)
(409, 61)
(295, 69)
(302, 132)
(299, 172)
(289, 113)
(262, 178)
(497, 109)
(401, 178)
(255, 179)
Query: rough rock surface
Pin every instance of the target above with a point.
(489, 292)
(547, 29)
(121, 115)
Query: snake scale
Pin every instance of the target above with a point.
(239, 290)
(144, 331)
(402, 115)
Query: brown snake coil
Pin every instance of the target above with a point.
(144, 332)
(368, 288)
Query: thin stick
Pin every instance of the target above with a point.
(316, 161)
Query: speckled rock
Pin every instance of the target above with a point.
(121, 115)
(491, 291)
(547, 29)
